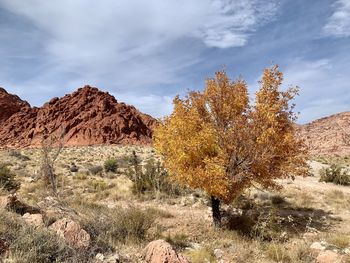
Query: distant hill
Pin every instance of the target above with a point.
(86, 117)
(329, 135)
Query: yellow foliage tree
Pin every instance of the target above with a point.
(216, 140)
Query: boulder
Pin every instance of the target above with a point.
(72, 233)
(160, 251)
(34, 219)
(328, 257)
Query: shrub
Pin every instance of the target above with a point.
(335, 174)
(18, 155)
(29, 244)
(97, 169)
(179, 241)
(151, 178)
(111, 165)
(107, 227)
(7, 179)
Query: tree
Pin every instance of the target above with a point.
(51, 147)
(216, 140)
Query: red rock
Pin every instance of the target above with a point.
(327, 136)
(72, 233)
(10, 104)
(160, 251)
(86, 117)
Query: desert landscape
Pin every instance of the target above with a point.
(187, 131)
(99, 214)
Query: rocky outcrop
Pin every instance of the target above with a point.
(10, 104)
(85, 117)
(327, 136)
(72, 233)
(160, 251)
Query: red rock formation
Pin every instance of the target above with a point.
(329, 135)
(85, 117)
(10, 104)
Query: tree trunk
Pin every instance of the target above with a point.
(215, 205)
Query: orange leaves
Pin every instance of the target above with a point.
(216, 141)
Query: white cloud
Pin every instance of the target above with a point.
(324, 85)
(338, 24)
(128, 46)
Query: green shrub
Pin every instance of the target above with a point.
(7, 179)
(335, 174)
(111, 165)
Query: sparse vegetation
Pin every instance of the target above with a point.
(335, 174)
(8, 181)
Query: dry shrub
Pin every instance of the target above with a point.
(109, 227)
(7, 179)
(29, 244)
(335, 174)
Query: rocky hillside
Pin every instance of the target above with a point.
(85, 117)
(329, 135)
(10, 104)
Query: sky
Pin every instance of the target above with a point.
(146, 52)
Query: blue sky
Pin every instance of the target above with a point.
(146, 52)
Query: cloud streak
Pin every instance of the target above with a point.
(338, 25)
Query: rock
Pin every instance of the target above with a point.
(218, 253)
(328, 257)
(10, 104)
(326, 135)
(34, 219)
(347, 251)
(3, 246)
(160, 251)
(317, 247)
(86, 117)
(100, 257)
(72, 233)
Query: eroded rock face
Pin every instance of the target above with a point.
(85, 117)
(160, 251)
(72, 233)
(10, 104)
(329, 135)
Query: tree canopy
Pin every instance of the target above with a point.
(219, 141)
